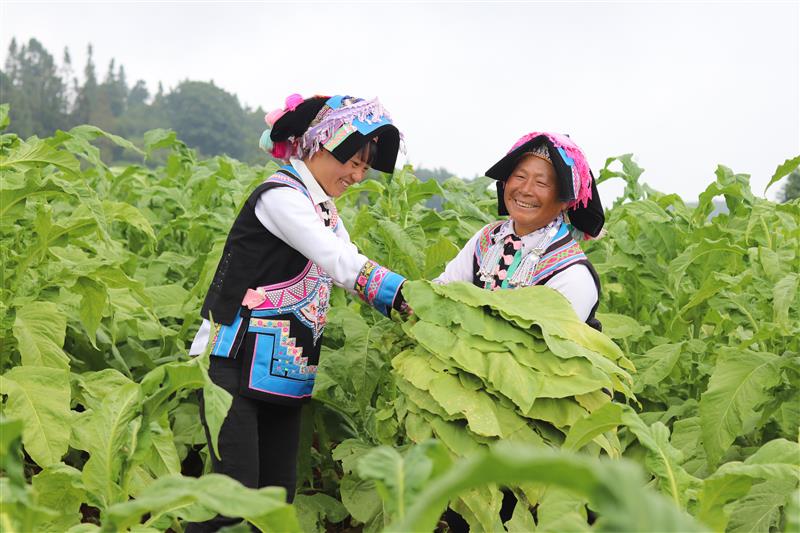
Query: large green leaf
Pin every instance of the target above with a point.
(784, 294)
(360, 497)
(35, 152)
(88, 132)
(94, 298)
(706, 250)
(59, 487)
(175, 495)
(163, 458)
(615, 489)
(739, 384)
(314, 510)
(161, 383)
(399, 478)
(662, 458)
(585, 430)
(40, 397)
(783, 169)
(619, 326)
(561, 510)
(40, 329)
(760, 510)
(106, 433)
(655, 364)
(772, 472)
(123, 212)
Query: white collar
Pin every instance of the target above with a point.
(314, 188)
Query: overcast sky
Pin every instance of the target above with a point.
(682, 85)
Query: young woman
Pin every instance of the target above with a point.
(266, 307)
(546, 188)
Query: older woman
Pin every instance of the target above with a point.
(546, 188)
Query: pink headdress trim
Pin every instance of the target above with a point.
(327, 123)
(331, 120)
(581, 177)
(281, 149)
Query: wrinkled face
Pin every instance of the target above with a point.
(335, 177)
(531, 194)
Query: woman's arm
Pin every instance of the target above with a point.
(577, 286)
(460, 268)
(289, 215)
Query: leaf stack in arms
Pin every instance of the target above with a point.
(517, 366)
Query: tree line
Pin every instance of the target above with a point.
(46, 96)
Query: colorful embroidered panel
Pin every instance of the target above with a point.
(558, 259)
(328, 213)
(224, 338)
(363, 279)
(278, 366)
(378, 286)
(485, 240)
(339, 136)
(306, 296)
(291, 182)
(529, 269)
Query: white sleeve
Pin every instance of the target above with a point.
(201, 338)
(289, 215)
(577, 286)
(460, 267)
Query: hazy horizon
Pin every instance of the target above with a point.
(682, 86)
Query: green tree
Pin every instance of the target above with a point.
(208, 118)
(87, 95)
(791, 188)
(32, 85)
(138, 95)
(116, 89)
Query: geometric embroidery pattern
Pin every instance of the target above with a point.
(375, 283)
(511, 247)
(287, 358)
(485, 240)
(558, 259)
(307, 296)
(286, 180)
(363, 279)
(338, 137)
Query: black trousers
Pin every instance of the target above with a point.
(257, 442)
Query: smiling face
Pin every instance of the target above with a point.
(335, 177)
(531, 194)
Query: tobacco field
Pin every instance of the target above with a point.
(682, 415)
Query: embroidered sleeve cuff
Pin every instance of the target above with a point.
(378, 286)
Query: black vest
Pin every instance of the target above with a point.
(252, 257)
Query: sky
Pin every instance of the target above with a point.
(684, 86)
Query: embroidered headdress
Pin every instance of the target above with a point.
(576, 185)
(340, 124)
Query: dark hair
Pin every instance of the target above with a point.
(369, 152)
(295, 123)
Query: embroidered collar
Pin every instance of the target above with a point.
(318, 195)
(534, 246)
(533, 240)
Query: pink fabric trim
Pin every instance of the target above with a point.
(583, 191)
(292, 281)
